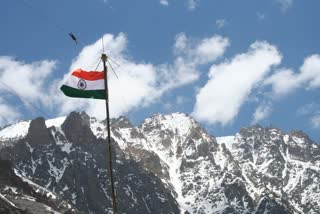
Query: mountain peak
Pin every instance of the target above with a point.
(121, 122)
(77, 128)
(301, 135)
(258, 130)
(175, 122)
(38, 130)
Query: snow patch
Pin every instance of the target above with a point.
(55, 122)
(6, 200)
(36, 186)
(15, 131)
(67, 148)
(227, 140)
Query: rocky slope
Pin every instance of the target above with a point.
(167, 164)
(20, 195)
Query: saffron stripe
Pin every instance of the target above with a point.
(73, 92)
(91, 75)
(73, 82)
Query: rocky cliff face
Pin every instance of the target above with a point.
(285, 167)
(167, 164)
(21, 196)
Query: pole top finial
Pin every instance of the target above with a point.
(104, 57)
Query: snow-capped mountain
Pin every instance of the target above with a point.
(167, 164)
(69, 160)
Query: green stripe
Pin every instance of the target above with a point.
(73, 92)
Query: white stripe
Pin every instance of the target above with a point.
(91, 85)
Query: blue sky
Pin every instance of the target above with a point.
(227, 63)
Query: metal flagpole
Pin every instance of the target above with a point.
(104, 59)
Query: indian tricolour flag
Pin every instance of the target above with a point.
(85, 84)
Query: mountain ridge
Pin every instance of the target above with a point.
(258, 169)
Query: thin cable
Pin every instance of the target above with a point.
(93, 65)
(23, 100)
(98, 65)
(114, 61)
(113, 70)
(124, 102)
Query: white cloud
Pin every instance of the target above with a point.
(220, 23)
(285, 81)
(310, 71)
(315, 121)
(28, 82)
(8, 113)
(201, 52)
(181, 43)
(285, 4)
(230, 83)
(164, 2)
(189, 55)
(211, 49)
(141, 84)
(25, 79)
(261, 112)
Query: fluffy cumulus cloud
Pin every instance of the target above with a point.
(310, 72)
(261, 112)
(202, 51)
(231, 82)
(285, 81)
(8, 113)
(140, 84)
(27, 81)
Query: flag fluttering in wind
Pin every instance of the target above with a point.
(85, 84)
